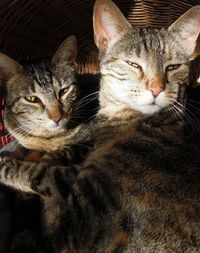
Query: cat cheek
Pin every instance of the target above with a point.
(17, 108)
(136, 73)
(139, 75)
(180, 78)
(14, 109)
(170, 77)
(163, 99)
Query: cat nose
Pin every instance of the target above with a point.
(156, 85)
(54, 113)
(156, 91)
(57, 118)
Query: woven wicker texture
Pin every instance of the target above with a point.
(35, 28)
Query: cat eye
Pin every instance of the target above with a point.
(63, 91)
(133, 64)
(173, 67)
(32, 99)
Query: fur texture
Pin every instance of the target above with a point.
(138, 191)
(41, 114)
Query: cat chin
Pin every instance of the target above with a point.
(148, 109)
(53, 127)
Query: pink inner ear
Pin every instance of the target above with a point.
(109, 24)
(108, 30)
(102, 33)
(189, 35)
(187, 28)
(101, 42)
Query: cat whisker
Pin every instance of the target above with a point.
(193, 101)
(87, 101)
(82, 106)
(187, 117)
(86, 97)
(24, 128)
(74, 121)
(187, 110)
(173, 112)
(197, 110)
(82, 112)
(178, 113)
(89, 118)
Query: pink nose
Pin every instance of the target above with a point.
(156, 91)
(156, 84)
(57, 118)
(54, 113)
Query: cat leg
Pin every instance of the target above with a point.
(37, 178)
(15, 173)
(69, 155)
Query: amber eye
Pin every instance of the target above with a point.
(133, 64)
(32, 99)
(173, 67)
(63, 91)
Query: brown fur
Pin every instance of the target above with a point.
(41, 99)
(138, 190)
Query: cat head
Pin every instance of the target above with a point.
(40, 95)
(143, 69)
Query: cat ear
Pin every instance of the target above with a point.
(109, 23)
(8, 67)
(186, 29)
(67, 51)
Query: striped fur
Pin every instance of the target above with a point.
(44, 125)
(138, 191)
(43, 128)
(144, 69)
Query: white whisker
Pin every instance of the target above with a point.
(189, 119)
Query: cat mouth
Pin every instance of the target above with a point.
(54, 127)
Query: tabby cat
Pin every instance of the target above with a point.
(138, 191)
(40, 100)
(41, 103)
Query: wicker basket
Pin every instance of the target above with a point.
(35, 28)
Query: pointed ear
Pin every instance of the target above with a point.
(8, 67)
(186, 29)
(109, 24)
(67, 52)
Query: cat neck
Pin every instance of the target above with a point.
(52, 143)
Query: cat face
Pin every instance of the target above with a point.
(143, 69)
(41, 95)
